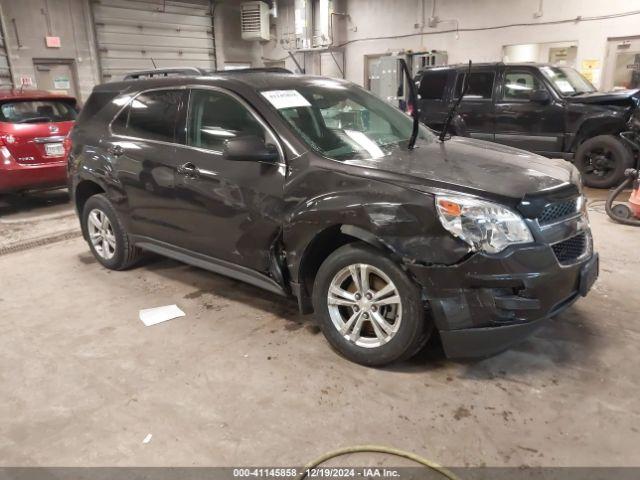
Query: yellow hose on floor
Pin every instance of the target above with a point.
(379, 449)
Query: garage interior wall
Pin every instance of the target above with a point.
(101, 40)
(328, 62)
(25, 38)
(408, 18)
(129, 33)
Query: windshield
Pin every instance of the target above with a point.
(343, 121)
(567, 81)
(37, 111)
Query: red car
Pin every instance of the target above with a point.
(33, 150)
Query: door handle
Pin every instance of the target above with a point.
(115, 150)
(188, 170)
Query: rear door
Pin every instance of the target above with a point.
(523, 123)
(142, 148)
(435, 88)
(476, 108)
(34, 129)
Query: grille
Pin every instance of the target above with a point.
(570, 250)
(555, 211)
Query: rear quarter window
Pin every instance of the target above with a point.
(38, 111)
(152, 116)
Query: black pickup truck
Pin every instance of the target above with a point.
(552, 111)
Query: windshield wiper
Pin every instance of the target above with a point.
(412, 104)
(454, 107)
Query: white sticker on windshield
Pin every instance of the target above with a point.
(285, 99)
(564, 86)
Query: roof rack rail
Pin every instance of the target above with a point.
(197, 72)
(258, 70)
(165, 72)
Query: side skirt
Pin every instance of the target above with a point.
(205, 262)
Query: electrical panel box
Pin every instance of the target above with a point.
(255, 20)
(421, 61)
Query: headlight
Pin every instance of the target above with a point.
(485, 226)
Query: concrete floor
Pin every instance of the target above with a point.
(243, 379)
(35, 218)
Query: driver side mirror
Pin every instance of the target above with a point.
(250, 148)
(540, 96)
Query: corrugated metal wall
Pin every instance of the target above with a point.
(5, 71)
(130, 33)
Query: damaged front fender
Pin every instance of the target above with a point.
(397, 220)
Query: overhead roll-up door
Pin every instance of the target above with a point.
(5, 71)
(143, 34)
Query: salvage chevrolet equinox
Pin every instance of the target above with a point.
(308, 187)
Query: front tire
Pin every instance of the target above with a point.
(368, 308)
(602, 161)
(106, 236)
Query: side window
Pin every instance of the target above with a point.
(480, 85)
(518, 85)
(151, 116)
(215, 117)
(432, 85)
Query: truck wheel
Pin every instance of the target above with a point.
(602, 161)
(107, 238)
(368, 308)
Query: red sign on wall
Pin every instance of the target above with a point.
(52, 42)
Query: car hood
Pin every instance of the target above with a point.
(617, 97)
(474, 166)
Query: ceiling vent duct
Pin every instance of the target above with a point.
(255, 20)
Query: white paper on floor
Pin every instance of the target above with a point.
(151, 316)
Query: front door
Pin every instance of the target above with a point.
(523, 123)
(235, 207)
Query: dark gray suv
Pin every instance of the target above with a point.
(305, 187)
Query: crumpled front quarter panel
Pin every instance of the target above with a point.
(322, 195)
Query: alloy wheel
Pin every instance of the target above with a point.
(364, 305)
(101, 234)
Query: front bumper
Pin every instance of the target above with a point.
(15, 177)
(487, 303)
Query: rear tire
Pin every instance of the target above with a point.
(108, 240)
(376, 319)
(602, 161)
